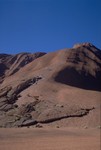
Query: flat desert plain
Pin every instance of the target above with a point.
(50, 139)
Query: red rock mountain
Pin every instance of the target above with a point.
(61, 88)
(10, 64)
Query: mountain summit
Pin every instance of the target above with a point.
(59, 88)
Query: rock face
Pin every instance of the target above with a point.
(60, 88)
(83, 69)
(10, 64)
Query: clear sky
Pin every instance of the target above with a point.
(48, 25)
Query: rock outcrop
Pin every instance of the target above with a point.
(10, 64)
(60, 88)
(83, 68)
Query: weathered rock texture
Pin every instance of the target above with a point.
(60, 88)
(10, 64)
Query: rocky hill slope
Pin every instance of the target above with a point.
(56, 89)
(10, 64)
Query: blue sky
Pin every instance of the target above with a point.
(48, 25)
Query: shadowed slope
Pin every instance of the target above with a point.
(84, 69)
(72, 77)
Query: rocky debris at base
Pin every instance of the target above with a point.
(38, 112)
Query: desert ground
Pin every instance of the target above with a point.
(49, 139)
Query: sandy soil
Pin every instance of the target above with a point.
(49, 139)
